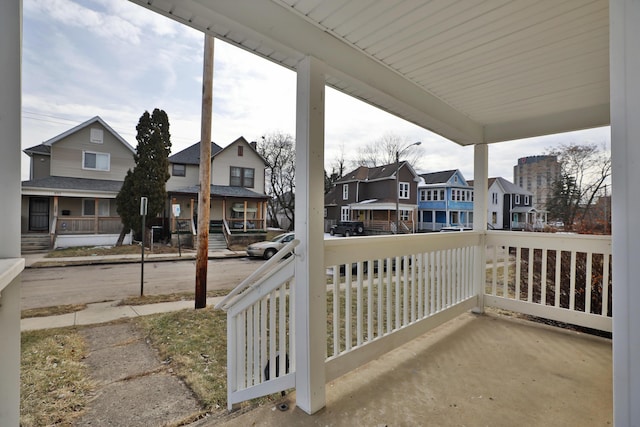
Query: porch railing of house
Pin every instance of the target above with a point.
(561, 277)
(89, 225)
(260, 335)
(385, 291)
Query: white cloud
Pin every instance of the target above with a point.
(73, 14)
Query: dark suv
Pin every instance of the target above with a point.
(347, 228)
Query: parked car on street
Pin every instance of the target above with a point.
(347, 228)
(268, 248)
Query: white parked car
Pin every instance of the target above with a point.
(268, 248)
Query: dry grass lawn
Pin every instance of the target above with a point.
(54, 383)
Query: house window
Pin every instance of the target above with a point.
(494, 217)
(345, 191)
(97, 136)
(494, 198)
(89, 207)
(464, 196)
(526, 200)
(517, 202)
(455, 179)
(404, 215)
(240, 150)
(403, 190)
(178, 169)
(441, 195)
(423, 195)
(344, 213)
(241, 177)
(95, 161)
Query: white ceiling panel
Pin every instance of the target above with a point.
(473, 71)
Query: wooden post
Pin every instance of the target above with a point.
(204, 195)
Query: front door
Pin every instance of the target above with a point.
(38, 214)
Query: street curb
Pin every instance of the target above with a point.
(115, 261)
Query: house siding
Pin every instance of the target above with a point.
(66, 155)
(191, 178)
(40, 166)
(228, 157)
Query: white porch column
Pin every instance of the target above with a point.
(310, 295)
(480, 206)
(10, 264)
(625, 150)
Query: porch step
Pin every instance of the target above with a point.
(33, 243)
(217, 241)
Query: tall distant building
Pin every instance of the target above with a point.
(537, 174)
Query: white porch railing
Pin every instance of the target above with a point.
(385, 291)
(260, 335)
(561, 277)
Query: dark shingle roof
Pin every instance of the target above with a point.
(438, 177)
(223, 191)
(363, 173)
(191, 155)
(38, 149)
(69, 183)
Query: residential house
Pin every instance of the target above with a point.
(238, 200)
(510, 207)
(69, 199)
(444, 199)
(370, 195)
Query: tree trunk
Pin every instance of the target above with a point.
(123, 233)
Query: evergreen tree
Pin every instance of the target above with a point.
(150, 173)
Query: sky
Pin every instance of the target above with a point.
(115, 59)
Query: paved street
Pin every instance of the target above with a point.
(44, 287)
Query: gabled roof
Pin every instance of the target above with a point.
(191, 155)
(506, 186)
(364, 173)
(246, 143)
(81, 126)
(441, 177)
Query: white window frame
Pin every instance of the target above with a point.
(423, 195)
(526, 200)
(517, 199)
(403, 190)
(494, 198)
(345, 191)
(405, 214)
(97, 154)
(344, 213)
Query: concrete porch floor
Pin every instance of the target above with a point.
(477, 370)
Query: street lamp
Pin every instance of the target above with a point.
(398, 152)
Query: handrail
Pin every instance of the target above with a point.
(226, 233)
(225, 304)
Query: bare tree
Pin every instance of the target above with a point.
(585, 170)
(278, 149)
(383, 152)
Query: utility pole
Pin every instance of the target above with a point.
(204, 196)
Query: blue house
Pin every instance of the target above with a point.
(444, 199)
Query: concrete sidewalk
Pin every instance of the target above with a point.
(104, 312)
(39, 260)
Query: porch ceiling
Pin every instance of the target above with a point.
(471, 71)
